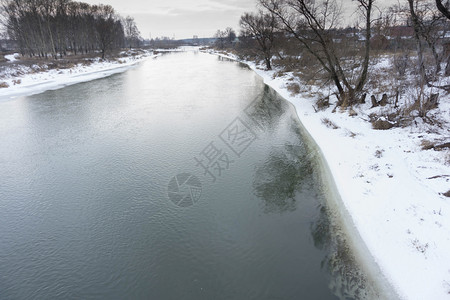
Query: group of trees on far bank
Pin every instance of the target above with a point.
(56, 27)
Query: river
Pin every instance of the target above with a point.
(183, 178)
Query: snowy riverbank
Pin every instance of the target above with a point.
(27, 80)
(390, 187)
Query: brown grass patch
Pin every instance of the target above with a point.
(293, 88)
(327, 122)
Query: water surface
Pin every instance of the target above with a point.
(183, 178)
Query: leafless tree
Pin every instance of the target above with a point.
(42, 27)
(261, 27)
(225, 37)
(230, 35)
(132, 34)
(220, 38)
(313, 24)
(429, 28)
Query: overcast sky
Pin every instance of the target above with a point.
(182, 18)
(185, 18)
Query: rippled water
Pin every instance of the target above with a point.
(183, 178)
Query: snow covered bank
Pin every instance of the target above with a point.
(23, 80)
(390, 188)
(12, 57)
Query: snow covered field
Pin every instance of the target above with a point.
(24, 80)
(390, 187)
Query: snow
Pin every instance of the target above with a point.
(12, 57)
(390, 188)
(22, 80)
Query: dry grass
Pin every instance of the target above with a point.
(327, 122)
(382, 125)
(427, 145)
(322, 104)
(3, 85)
(293, 88)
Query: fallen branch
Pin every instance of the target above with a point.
(439, 176)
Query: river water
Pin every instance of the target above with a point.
(183, 178)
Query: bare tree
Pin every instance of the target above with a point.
(42, 27)
(220, 38)
(132, 34)
(225, 37)
(313, 25)
(230, 35)
(429, 27)
(261, 27)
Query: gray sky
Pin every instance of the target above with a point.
(185, 18)
(181, 18)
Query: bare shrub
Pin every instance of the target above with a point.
(87, 62)
(4, 85)
(322, 104)
(289, 63)
(384, 121)
(293, 88)
(422, 104)
(382, 125)
(52, 66)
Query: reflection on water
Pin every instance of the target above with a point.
(347, 280)
(279, 182)
(84, 206)
(266, 110)
(280, 177)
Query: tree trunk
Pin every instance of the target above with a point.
(363, 78)
(447, 67)
(442, 9)
(417, 29)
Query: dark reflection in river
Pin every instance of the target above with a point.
(279, 182)
(279, 179)
(347, 280)
(84, 208)
(282, 174)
